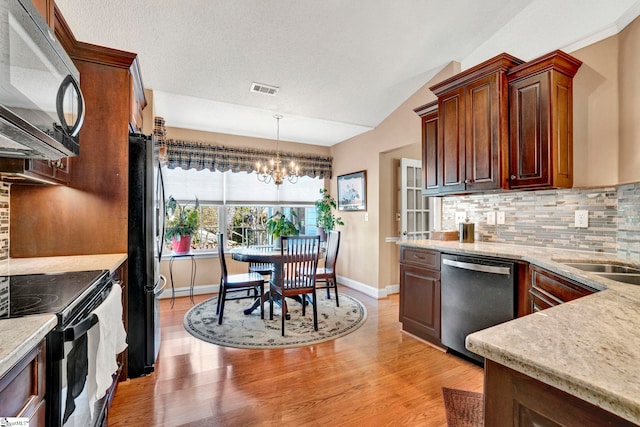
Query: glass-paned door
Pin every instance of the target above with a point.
(415, 213)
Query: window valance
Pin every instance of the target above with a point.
(198, 155)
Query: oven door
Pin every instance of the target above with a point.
(67, 396)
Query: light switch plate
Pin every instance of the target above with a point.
(582, 219)
(500, 218)
(366, 216)
(491, 218)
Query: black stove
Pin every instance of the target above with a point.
(63, 294)
(72, 297)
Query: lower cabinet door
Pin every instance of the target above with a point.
(22, 389)
(513, 399)
(420, 302)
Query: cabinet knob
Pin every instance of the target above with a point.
(513, 177)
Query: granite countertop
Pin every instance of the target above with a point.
(20, 335)
(62, 264)
(589, 347)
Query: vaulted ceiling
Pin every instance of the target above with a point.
(341, 66)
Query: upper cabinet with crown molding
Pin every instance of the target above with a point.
(501, 125)
(541, 122)
(473, 138)
(429, 117)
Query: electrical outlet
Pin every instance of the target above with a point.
(460, 217)
(500, 218)
(582, 219)
(491, 218)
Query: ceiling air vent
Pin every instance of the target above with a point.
(264, 89)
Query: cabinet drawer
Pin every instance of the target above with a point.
(22, 388)
(548, 290)
(420, 257)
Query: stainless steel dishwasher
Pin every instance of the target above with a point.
(476, 293)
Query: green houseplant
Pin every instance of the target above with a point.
(182, 224)
(325, 218)
(279, 225)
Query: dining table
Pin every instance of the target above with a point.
(262, 254)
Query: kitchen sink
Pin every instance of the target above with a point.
(603, 268)
(617, 272)
(632, 279)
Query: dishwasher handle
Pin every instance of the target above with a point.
(505, 271)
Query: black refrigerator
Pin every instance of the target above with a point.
(146, 235)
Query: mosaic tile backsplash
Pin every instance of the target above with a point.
(536, 218)
(4, 221)
(546, 218)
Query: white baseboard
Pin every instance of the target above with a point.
(183, 291)
(367, 289)
(376, 293)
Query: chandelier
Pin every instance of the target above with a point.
(273, 169)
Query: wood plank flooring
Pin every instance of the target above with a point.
(375, 376)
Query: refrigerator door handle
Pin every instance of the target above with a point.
(157, 290)
(161, 211)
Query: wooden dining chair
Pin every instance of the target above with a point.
(326, 276)
(236, 286)
(298, 279)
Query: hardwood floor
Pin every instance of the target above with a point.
(375, 376)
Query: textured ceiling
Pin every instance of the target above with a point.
(342, 65)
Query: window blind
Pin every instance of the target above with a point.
(237, 188)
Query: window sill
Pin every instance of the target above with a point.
(197, 254)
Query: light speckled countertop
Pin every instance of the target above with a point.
(61, 264)
(20, 335)
(589, 347)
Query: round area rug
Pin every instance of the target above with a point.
(250, 331)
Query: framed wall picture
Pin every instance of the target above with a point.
(352, 191)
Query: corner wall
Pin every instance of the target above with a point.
(361, 255)
(629, 83)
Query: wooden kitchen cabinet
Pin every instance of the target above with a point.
(451, 147)
(22, 389)
(541, 122)
(548, 290)
(429, 117)
(420, 293)
(473, 128)
(513, 399)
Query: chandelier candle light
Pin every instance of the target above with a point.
(273, 170)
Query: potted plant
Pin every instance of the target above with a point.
(279, 225)
(325, 219)
(182, 224)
